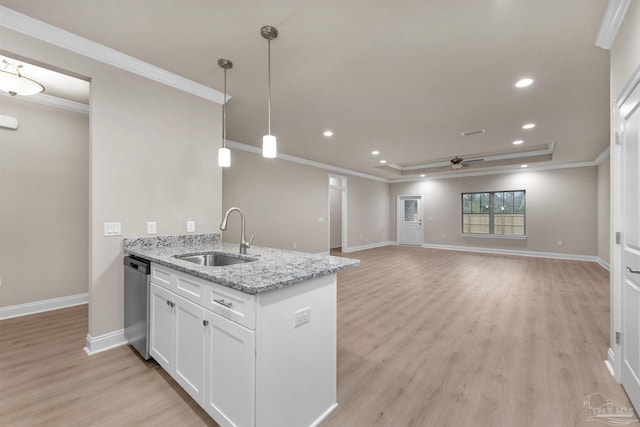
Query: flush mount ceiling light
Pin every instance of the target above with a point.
(327, 133)
(518, 142)
(269, 143)
(224, 154)
(14, 83)
(375, 152)
(524, 82)
(529, 126)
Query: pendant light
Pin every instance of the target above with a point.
(14, 83)
(224, 154)
(269, 143)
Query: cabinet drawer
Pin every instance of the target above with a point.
(161, 275)
(231, 304)
(189, 287)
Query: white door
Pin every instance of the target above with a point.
(229, 396)
(410, 220)
(189, 344)
(161, 332)
(630, 242)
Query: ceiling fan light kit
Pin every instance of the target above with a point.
(14, 83)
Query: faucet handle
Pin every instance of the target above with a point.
(251, 239)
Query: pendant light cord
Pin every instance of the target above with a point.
(269, 77)
(224, 112)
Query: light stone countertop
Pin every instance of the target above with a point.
(274, 269)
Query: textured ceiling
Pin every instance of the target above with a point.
(403, 77)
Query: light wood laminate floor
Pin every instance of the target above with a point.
(425, 338)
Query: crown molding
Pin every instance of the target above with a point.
(611, 22)
(53, 35)
(53, 101)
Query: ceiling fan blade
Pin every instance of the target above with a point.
(473, 160)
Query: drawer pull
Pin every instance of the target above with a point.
(171, 304)
(205, 322)
(223, 302)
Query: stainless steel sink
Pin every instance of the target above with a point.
(215, 259)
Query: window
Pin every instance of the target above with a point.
(494, 213)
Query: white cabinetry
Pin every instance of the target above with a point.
(246, 359)
(177, 340)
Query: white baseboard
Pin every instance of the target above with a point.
(611, 362)
(104, 342)
(324, 415)
(498, 251)
(44, 305)
(369, 246)
(603, 263)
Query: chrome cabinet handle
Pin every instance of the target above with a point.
(633, 270)
(223, 302)
(205, 322)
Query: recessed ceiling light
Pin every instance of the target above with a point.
(375, 152)
(529, 126)
(518, 142)
(328, 133)
(524, 82)
(524, 166)
(422, 175)
(383, 161)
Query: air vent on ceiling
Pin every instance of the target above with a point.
(473, 132)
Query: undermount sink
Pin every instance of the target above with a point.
(215, 259)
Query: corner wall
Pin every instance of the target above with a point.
(44, 203)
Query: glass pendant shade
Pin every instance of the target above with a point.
(224, 157)
(269, 146)
(15, 84)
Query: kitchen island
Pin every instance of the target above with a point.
(253, 343)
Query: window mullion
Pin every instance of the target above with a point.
(491, 211)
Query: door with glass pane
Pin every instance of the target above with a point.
(410, 230)
(630, 245)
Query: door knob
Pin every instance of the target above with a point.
(633, 270)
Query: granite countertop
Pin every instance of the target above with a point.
(274, 269)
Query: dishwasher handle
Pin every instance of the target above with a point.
(143, 266)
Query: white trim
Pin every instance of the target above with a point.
(40, 30)
(251, 149)
(104, 342)
(324, 415)
(369, 246)
(611, 22)
(55, 102)
(44, 305)
(494, 236)
(611, 362)
(603, 263)
(534, 254)
(603, 156)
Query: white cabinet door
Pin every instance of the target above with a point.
(230, 372)
(161, 340)
(189, 345)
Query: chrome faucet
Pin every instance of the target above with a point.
(244, 245)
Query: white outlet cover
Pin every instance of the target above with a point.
(151, 227)
(191, 226)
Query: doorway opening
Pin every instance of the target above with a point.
(337, 213)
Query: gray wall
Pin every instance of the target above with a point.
(284, 201)
(152, 158)
(561, 205)
(44, 203)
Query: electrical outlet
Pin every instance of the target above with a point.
(295, 245)
(112, 229)
(559, 243)
(302, 316)
(443, 236)
(151, 227)
(191, 226)
(320, 219)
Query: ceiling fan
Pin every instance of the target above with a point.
(459, 162)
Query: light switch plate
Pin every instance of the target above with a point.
(151, 227)
(112, 229)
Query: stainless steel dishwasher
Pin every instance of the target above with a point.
(136, 303)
